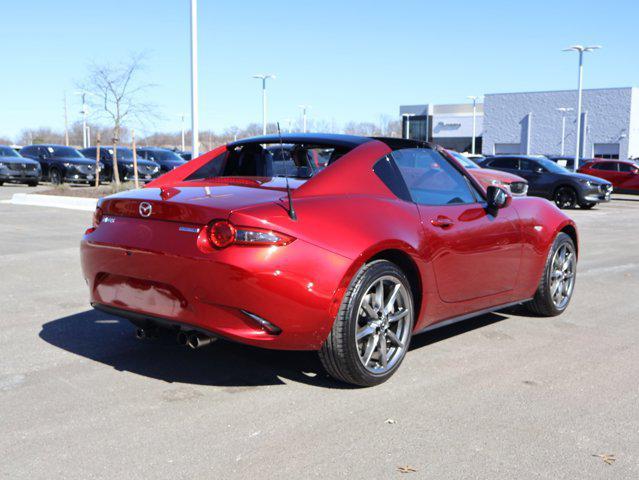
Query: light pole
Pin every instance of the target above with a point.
(195, 137)
(86, 140)
(580, 49)
(66, 122)
(181, 115)
(474, 100)
(563, 111)
(407, 117)
(304, 108)
(264, 77)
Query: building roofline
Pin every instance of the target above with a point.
(559, 91)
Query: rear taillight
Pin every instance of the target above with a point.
(222, 234)
(97, 217)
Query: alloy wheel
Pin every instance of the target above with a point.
(55, 177)
(565, 198)
(562, 275)
(383, 324)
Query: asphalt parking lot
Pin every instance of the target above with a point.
(500, 396)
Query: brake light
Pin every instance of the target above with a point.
(222, 234)
(97, 217)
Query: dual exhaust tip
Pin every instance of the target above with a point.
(190, 339)
(194, 339)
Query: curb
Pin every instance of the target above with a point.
(72, 203)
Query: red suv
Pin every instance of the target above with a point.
(623, 174)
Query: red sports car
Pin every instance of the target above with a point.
(623, 174)
(513, 184)
(389, 239)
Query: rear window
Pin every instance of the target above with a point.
(254, 160)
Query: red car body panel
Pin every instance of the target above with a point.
(621, 181)
(165, 268)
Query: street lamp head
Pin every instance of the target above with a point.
(263, 76)
(581, 48)
(564, 109)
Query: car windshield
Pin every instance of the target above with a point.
(551, 166)
(254, 160)
(123, 153)
(166, 156)
(8, 152)
(465, 161)
(64, 152)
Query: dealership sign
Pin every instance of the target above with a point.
(456, 125)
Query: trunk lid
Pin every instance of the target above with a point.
(193, 202)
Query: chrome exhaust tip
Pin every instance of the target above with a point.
(141, 334)
(182, 338)
(197, 340)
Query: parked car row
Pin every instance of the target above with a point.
(550, 180)
(61, 164)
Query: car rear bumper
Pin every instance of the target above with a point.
(161, 274)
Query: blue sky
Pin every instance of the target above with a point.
(349, 59)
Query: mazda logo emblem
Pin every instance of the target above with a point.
(145, 209)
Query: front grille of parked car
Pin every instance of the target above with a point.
(86, 169)
(27, 167)
(518, 188)
(146, 170)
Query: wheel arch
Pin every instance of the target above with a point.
(397, 252)
(570, 230)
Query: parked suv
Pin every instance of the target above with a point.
(623, 174)
(514, 184)
(61, 164)
(147, 170)
(166, 159)
(14, 168)
(548, 180)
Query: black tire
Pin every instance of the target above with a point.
(33, 184)
(587, 205)
(55, 177)
(542, 304)
(339, 353)
(565, 197)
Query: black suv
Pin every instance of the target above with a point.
(61, 164)
(15, 168)
(166, 159)
(147, 170)
(552, 181)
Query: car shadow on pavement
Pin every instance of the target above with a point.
(110, 340)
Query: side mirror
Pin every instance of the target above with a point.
(538, 170)
(497, 198)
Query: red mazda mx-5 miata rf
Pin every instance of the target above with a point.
(351, 256)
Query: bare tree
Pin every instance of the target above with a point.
(118, 94)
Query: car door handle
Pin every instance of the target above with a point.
(442, 222)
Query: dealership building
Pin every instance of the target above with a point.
(533, 123)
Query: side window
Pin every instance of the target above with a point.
(430, 179)
(89, 152)
(610, 166)
(390, 175)
(509, 163)
(625, 167)
(526, 165)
